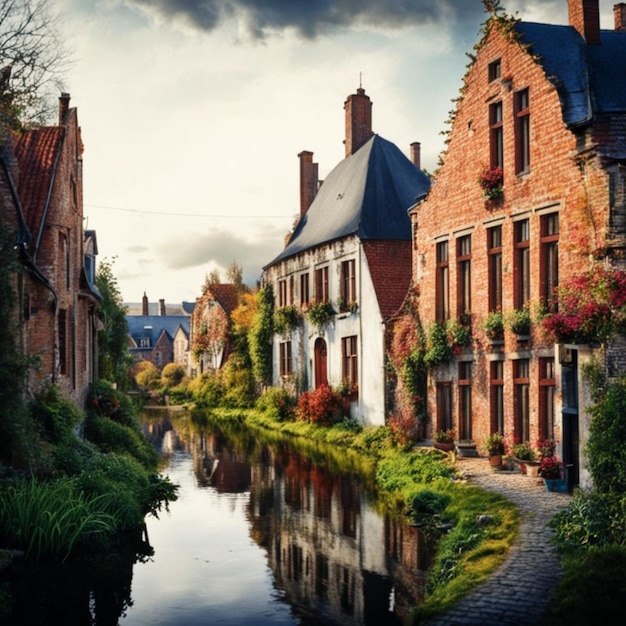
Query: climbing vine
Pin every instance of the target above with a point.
(262, 335)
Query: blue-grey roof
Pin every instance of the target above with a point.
(367, 194)
(589, 78)
(152, 325)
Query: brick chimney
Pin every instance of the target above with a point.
(619, 14)
(358, 108)
(308, 180)
(64, 106)
(144, 304)
(162, 311)
(416, 154)
(584, 16)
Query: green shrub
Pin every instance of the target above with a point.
(278, 403)
(106, 401)
(427, 507)
(55, 414)
(146, 373)
(172, 375)
(207, 390)
(111, 436)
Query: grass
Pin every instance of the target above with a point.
(47, 520)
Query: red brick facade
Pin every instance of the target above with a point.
(571, 178)
(58, 301)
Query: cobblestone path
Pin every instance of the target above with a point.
(518, 592)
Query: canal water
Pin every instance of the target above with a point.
(264, 534)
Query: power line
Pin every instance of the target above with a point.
(177, 214)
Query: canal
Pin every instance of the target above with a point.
(263, 534)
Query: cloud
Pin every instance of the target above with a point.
(308, 19)
(220, 247)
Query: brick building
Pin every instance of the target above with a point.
(350, 255)
(42, 185)
(530, 193)
(210, 338)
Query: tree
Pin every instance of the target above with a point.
(113, 357)
(261, 337)
(32, 60)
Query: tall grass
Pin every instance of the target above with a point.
(48, 520)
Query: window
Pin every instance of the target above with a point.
(349, 361)
(522, 264)
(282, 293)
(444, 406)
(496, 400)
(496, 135)
(522, 132)
(348, 283)
(144, 342)
(495, 69)
(62, 330)
(286, 366)
(547, 388)
(549, 259)
(442, 287)
(305, 296)
(464, 275)
(494, 253)
(321, 284)
(521, 399)
(465, 399)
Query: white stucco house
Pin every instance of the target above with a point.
(349, 253)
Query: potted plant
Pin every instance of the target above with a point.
(526, 458)
(320, 314)
(491, 181)
(494, 326)
(444, 440)
(494, 446)
(550, 470)
(519, 321)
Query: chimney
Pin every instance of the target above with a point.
(162, 311)
(584, 16)
(144, 304)
(64, 106)
(358, 108)
(619, 13)
(308, 181)
(416, 154)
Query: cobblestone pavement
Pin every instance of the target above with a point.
(518, 592)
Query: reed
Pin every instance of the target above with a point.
(47, 520)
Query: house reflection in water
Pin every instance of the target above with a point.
(336, 558)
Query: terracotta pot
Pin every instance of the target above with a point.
(495, 460)
(446, 446)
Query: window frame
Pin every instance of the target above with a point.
(549, 258)
(494, 270)
(321, 284)
(521, 265)
(442, 281)
(348, 283)
(496, 134)
(464, 276)
(522, 131)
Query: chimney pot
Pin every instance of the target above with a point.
(144, 304)
(619, 14)
(584, 16)
(64, 105)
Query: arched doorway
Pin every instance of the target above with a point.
(321, 368)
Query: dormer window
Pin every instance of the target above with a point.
(495, 70)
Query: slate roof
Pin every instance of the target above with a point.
(589, 78)
(367, 194)
(36, 152)
(169, 323)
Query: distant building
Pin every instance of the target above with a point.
(160, 337)
(211, 341)
(349, 255)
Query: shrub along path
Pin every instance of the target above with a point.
(519, 591)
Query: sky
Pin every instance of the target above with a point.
(193, 113)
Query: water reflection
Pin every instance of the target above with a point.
(330, 556)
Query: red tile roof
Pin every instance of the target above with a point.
(36, 152)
